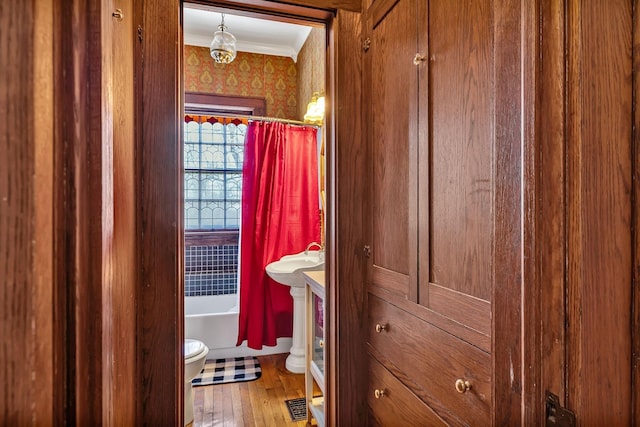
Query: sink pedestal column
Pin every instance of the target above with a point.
(296, 361)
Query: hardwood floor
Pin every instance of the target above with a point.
(253, 403)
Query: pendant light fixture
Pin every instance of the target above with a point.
(223, 46)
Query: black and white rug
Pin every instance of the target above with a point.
(235, 369)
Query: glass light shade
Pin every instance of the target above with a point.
(315, 110)
(223, 46)
(320, 106)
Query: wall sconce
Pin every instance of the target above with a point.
(315, 110)
(223, 46)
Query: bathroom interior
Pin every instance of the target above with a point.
(243, 258)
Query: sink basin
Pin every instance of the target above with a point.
(288, 269)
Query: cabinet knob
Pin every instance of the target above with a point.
(380, 328)
(118, 15)
(378, 393)
(321, 343)
(462, 386)
(418, 59)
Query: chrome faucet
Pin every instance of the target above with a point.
(320, 252)
(312, 244)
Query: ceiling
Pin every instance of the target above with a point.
(253, 35)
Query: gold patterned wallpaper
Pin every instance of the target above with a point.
(287, 86)
(311, 78)
(271, 77)
(311, 68)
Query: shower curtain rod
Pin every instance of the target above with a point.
(267, 119)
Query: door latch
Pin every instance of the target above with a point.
(556, 414)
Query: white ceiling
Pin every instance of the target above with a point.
(253, 35)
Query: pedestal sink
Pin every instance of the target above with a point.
(288, 271)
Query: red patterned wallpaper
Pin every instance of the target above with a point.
(271, 77)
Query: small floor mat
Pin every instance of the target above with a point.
(297, 408)
(234, 369)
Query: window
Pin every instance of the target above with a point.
(213, 155)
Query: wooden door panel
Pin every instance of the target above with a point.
(393, 126)
(599, 175)
(472, 312)
(456, 179)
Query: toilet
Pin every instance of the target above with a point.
(195, 354)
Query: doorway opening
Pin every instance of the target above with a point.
(279, 66)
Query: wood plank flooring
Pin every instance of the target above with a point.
(257, 403)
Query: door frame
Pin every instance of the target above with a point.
(159, 99)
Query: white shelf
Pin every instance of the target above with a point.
(317, 410)
(317, 375)
(314, 373)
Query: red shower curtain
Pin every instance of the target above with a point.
(280, 216)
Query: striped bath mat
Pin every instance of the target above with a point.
(234, 369)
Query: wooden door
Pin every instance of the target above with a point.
(456, 170)
(445, 200)
(432, 183)
(393, 129)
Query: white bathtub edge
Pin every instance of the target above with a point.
(283, 346)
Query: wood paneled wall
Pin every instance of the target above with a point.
(46, 401)
(510, 54)
(347, 5)
(120, 297)
(95, 212)
(83, 146)
(160, 280)
(635, 223)
(62, 307)
(27, 269)
(346, 221)
(586, 214)
(598, 178)
(545, 317)
(68, 202)
(272, 5)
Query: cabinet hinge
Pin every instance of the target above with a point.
(555, 414)
(140, 37)
(367, 251)
(366, 44)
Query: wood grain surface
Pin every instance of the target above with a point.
(160, 280)
(550, 220)
(67, 209)
(392, 91)
(346, 225)
(599, 175)
(120, 297)
(84, 197)
(26, 225)
(459, 185)
(259, 403)
(506, 298)
(635, 308)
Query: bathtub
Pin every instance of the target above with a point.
(214, 321)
